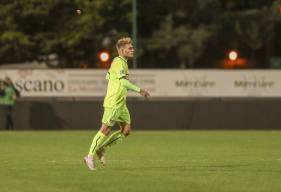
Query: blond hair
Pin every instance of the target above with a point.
(123, 41)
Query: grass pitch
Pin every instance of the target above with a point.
(201, 161)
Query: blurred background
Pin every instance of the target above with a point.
(205, 42)
(168, 34)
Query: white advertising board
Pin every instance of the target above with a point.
(160, 83)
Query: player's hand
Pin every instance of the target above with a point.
(144, 93)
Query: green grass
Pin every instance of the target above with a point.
(202, 161)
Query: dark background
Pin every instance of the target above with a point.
(171, 34)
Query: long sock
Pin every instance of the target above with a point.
(116, 137)
(97, 141)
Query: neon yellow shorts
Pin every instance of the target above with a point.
(112, 116)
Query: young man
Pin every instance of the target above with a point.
(115, 109)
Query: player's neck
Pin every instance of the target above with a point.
(123, 57)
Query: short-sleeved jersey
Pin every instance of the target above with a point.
(116, 92)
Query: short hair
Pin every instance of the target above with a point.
(123, 41)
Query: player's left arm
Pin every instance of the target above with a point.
(129, 85)
(126, 83)
(124, 79)
(123, 76)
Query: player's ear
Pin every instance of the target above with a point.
(122, 50)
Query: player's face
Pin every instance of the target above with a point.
(128, 51)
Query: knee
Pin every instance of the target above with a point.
(105, 129)
(127, 131)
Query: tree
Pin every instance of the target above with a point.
(187, 41)
(184, 33)
(194, 33)
(47, 29)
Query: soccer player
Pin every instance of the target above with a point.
(115, 109)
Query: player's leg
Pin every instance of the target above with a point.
(107, 123)
(97, 141)
(124, 122)
(118, 136)
(10, 117)
(123, 118)
(6, 118)
(112, 139)
(115, 138)
(126, 129)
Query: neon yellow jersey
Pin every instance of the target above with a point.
(116, 92)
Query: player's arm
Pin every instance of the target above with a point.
(123, 77)
(130, 86)
(127, 84)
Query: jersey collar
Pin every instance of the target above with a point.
(123, 58)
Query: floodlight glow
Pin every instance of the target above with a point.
(104, 56)
(233, 55)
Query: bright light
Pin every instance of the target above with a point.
(104, 56)
(232, 55)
